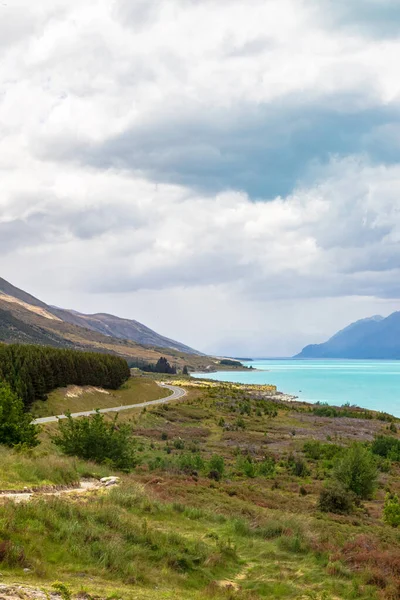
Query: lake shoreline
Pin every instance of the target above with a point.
(373, 385)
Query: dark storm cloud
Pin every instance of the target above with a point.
(265, 151)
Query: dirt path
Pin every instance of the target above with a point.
(86, 485)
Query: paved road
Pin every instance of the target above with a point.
(177, 392)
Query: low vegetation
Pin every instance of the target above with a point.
(231, 493)
(98, 440)
(40, 469)
(357, 471)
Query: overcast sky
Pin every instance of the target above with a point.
(227, 172)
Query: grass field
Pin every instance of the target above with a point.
(179, 528)
(74, 399)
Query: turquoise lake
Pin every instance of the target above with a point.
(371, 384)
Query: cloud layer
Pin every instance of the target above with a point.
(183, 154)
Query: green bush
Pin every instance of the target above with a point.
(245, 465)
(297, 466)
(387, 447)
(317, 450)
(179, 444)
(190, 462)
(336, 499)
(266, 467)
(391, 511)
(94, 438)
(216, 467)
(357, 471)
(15, 425)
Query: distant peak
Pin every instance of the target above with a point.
(374, 337)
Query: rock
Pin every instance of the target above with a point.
(112, 482)
(107, 481)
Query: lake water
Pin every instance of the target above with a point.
(371, 384)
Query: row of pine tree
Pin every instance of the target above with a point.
(33, 371)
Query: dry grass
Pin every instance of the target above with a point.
(134, 391)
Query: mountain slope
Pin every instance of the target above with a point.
(8, 289)
(124, 329)
(376, 338)
(23, 323)
(12, 298)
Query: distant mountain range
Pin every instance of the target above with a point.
(376, 337)
(26, 319)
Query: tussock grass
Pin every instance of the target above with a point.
(33, 469)
(113, 536)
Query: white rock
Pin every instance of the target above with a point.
(112, 482)
(109, 481)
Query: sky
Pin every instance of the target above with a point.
(227, 173)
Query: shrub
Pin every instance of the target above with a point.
(190, 462)
(297, 466)
(317, 450)
(15, 425)
(336, 499)
(323, 410)
(266, 467)
(387, 447)
(95, 439)
(246, 466)
(216, 467)
(179, 444)
(62, 590)
(391, 511)
(357, 471)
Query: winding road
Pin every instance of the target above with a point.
(177, 393)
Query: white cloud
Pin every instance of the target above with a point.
(206, 98)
